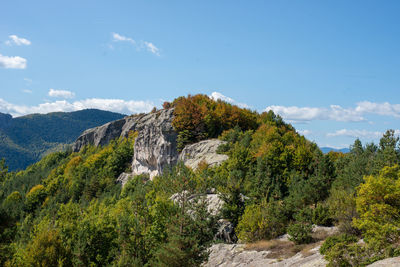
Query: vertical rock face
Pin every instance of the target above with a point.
(155, 146)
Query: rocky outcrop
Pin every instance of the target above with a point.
(205, 151)
(100, 135)
(214, 201)
(229, 255)
(226, 232)
(155, 145)
(124, 177)
(390, 262)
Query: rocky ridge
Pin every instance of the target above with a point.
(155, 146)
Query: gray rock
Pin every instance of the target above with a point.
(155, 145)
(101, 135)
(124, 177)
(389, 262)
(226, 232)
(227, 255)
(214, 201)
(205, 150)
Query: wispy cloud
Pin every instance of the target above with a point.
(61, 93)
(120, 38)
(219, 96)
(115, 105)
(12, 62)
(358, 133)
(336, 112)
(139, 45)
(27, 91)
(152, 48)
(17, 40)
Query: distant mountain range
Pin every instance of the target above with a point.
(24, 140)
(329, 149)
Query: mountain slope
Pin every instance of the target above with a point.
(24, 140)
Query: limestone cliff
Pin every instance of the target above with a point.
(156, 144)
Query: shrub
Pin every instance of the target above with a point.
(300, 233)
(321, 216)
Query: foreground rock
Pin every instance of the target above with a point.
(390, 262)
(203, 151)
(226, 255)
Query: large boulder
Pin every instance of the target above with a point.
(203, 151)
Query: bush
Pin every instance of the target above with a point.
(321, 216)
(262, 221)
(300, 233)
(331, 241)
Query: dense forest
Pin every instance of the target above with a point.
(26, 139)
(68, 209)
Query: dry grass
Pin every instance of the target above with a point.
(281, 249)
(319, 235)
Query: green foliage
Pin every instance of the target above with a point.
(378, 204)
(331, 241)
(300, 232)
(198, 117)
(321, 215)
(262, 221)
(68, 210)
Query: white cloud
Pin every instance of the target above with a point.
(385, 108)
(336, 112)
(356, 133)
(61, 93)
(12, 62)
(17, 40)
(120, 38)
(139, 45)
(27, 91)
(304, 132)
(152, 48)
(219, 96)
(115, 105)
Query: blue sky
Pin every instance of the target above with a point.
(332, 68)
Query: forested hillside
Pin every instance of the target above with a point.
(24, 140)
(69, 210)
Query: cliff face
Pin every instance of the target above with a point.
(156, 144)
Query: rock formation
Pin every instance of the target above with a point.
(155, 146)
(205, 151)
(229, 255)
